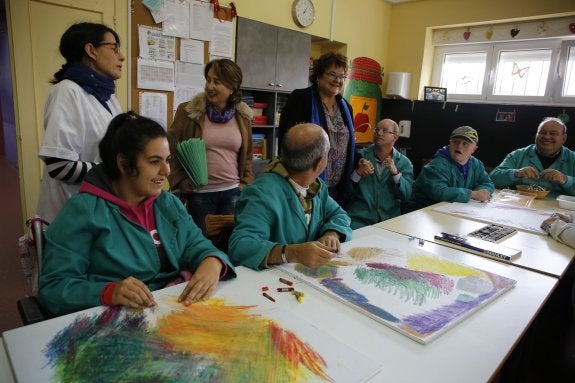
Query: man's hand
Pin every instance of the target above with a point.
(330, 239)
(528, 172)
(553, 175)
(481, 195)
(390, 165)
(311, 254)
(364, 168)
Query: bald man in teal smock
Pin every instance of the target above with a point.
(287, 215)
(547, 162)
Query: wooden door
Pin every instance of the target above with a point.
(35, 28)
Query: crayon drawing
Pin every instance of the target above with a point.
(211, 341)
(416, 293)
(521, 218)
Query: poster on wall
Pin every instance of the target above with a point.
(364, 119)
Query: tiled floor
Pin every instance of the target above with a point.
(11, 278)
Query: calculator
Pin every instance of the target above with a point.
(493, 233)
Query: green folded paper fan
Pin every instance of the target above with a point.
(192, 156)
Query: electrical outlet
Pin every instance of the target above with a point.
(404, 128)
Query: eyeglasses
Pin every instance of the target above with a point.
(115, 46)
(384, 131)
(335, 76)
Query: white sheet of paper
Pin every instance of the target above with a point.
(222, 38)
(178, 21)
(188, 74)
(201, 16)
(155, 106)
(154, 74)
(192, 51)
(184, 94)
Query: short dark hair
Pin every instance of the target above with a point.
(230, 74)
(299, 158)
(128, 134)
(325, 61)
(73, 40)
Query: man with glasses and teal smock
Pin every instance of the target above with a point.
(382, 180)
(546, 163)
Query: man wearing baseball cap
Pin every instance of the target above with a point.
(547, 162)
(453, 175)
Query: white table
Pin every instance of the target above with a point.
(5, 368)
(471, 351)
(539, 252)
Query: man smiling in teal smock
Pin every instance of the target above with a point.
(547, 162)
(287, 215)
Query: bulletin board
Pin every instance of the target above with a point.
(141, 16)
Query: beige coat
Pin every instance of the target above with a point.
(189, 123)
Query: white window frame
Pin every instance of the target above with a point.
(553, 91)
(441, 51)
(562, 67)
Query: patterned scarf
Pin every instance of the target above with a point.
(100, 86)
(220, 116)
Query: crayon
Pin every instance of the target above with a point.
(285, 281)
(265, 288)
(268, 297)
(284, 289)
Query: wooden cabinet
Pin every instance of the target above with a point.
(274, 62)
(272, 58)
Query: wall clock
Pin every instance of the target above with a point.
(303, 12)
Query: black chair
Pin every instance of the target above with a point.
(28, 306)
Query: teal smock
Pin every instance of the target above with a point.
(91, 243)
(504, 175)
(440, 180)
(269, 213)
(377, 197)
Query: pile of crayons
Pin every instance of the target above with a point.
(298, 294)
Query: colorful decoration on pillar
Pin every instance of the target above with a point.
(467, 34)
(514, 32)
(364, 94)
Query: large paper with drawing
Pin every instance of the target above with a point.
(229, 339)
(414, 292)
(522, 218)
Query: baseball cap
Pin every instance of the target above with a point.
(465, 132)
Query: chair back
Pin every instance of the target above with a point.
(219, 228)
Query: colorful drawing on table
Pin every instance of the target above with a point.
(211, 341)
(521, 218)
(400, 285)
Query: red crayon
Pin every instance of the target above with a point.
(265, 288)
(289, 283)
(284, 289)
(268, 297)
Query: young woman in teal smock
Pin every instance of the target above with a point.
(123, 236)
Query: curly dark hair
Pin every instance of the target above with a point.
(325, 61)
